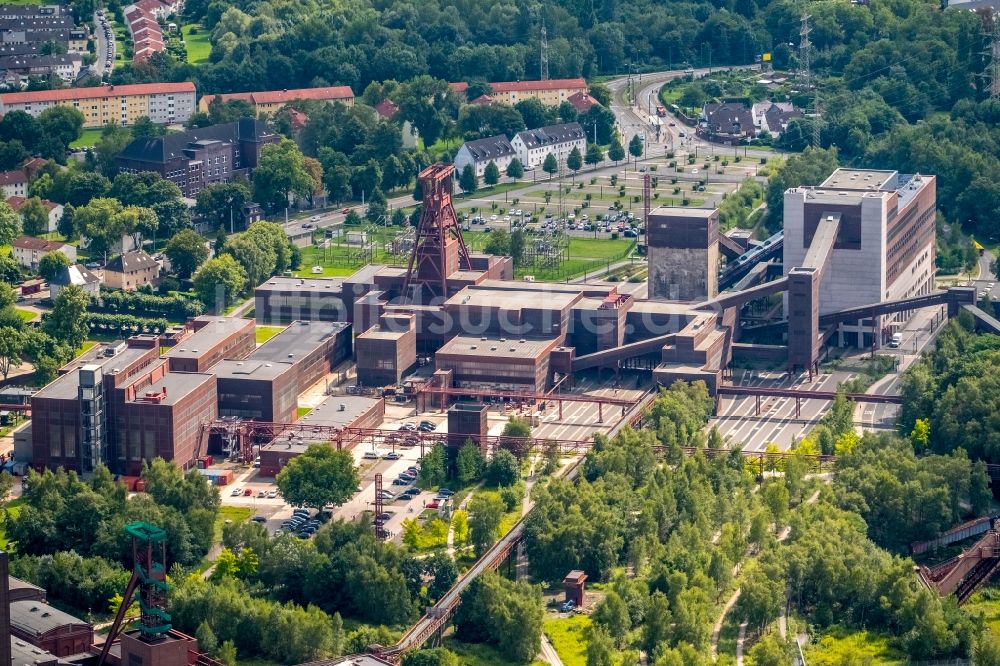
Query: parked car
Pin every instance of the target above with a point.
(261, 493)
(248, 492)
(272, 494)
(259, 519)
(446, 492)
(433, 505)
(394, 455)
(370, 455)
(400, 482)
(236, 492)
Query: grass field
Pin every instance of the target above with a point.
(87, 139)
(237, 514)
(475, 654)
(569, 638)
(265, 333)
(986, 602)
(12, 509)
(25, 315)
(302, 411)
(198, 46)
(843, 647)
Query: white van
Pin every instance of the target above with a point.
(897, 339)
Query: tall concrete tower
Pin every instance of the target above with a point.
(683, 250)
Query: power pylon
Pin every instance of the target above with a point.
(543, 56)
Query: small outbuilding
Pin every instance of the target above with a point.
(573, 584)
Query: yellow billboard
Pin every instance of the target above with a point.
(767, 57)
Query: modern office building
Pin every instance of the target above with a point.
(884, 247)
(164, 103)
(196, 158)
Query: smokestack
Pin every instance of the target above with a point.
(5, 656)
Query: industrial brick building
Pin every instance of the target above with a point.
(683, 248)
(884, 248)
(207, 340)
(340, 411)
(197, 158)
(387, 352)
(266, 384)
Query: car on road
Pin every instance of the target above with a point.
(307, 225)
(261, 493)
(400, 482)
(248, 492)
(385, 515)
(410, 493)
(447, 492)
(236, 492)
(370, 455)
(394, 455)
(259, 519)
(388, 494)
(272, 494)
(433, 505)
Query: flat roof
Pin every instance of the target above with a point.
(263, 370)
(177, 385)
(65, 386)
(683, 211)
(329, 414)
(365, 274)
(860, 179)
(380, 333)
(215, 331)
(25, 654)
(298, 339)
(513, 299)
(320, 285)
(498, 347)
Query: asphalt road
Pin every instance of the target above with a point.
(101, 47)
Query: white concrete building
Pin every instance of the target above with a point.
(885, 247)
(532, 146)
(481, 152)
(28, 250)
(773, 117)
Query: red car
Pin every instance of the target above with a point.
(433, 505)
(346, 211)
(248, 492)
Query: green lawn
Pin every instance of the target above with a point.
(861, 647)
(569, 638)
(25, 315)
(265, 333)
(986, 603)
(87, 139)
(86, 346)
(302, 411)
(198, 45)
(237, 514)
(13, 508)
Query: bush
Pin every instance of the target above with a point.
(124, 325)
(175, 307)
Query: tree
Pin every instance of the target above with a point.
(516, 437)
(52, 264)
(469, 464)
(658, 625)
(468, 180)
(68, 320)
(320, 476)
(515, 169)
(378, 206)
(486, 511)
(10, 224)
(67, 224)
(491, 175)
(102, 221)
(280, 174)
(612, 614)
(219, 281)
(761, 597)
(506, 614)
(550, 165)
(186, 251)
(775, 497)
(434, 467)
(431, 657)
(635, 146)
(568, 112)
(58, 126)
(144, 128)
(600, 648)
(502, 469)
(11, 349)
(221, 204)
(574, 161)
(616, 151)
(34, 217)
(594, 155)
(207, 642)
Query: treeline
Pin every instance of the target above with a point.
(951, 396)
(125, 325)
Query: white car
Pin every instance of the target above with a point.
(236, 492)
(694, 171)
(493, 218)
(317, 270)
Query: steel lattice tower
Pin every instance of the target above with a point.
(543, 56)
(438, 249)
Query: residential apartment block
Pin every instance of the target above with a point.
(269, 101)
(200, 157)
(28, 250)
(533, 146)
(481, 152)
(551, 93)
(164, 103)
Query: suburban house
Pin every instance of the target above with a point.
(14, 183)
(551, 92)
(532, 146)
(55, 210)
(269, 101)
(131, 270)
(200, 157)
(732, 118)
(582, 102)
(78, 275)
(773, 117)
(388, 109)
(28, 250)
(481, 152)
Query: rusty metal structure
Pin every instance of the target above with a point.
(380, 532)
(966, 573)
(438, 250)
